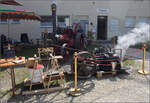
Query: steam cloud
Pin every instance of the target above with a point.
(140, 34)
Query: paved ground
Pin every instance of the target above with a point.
(127, 87)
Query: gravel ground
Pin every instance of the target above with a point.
(127, 87)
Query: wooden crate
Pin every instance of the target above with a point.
(100, 74)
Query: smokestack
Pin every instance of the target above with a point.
(53, 6)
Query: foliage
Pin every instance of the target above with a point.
(90, 35)
(27, 52)
(91, 47)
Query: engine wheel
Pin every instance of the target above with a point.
(85, 70)
(79, 42)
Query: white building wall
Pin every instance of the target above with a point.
(118, 9)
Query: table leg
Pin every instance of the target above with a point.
(13, 80)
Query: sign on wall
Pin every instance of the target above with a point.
(102, 10)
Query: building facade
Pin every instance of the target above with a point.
(105, 18)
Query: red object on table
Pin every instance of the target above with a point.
(20, 57)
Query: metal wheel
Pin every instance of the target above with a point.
(79, 41)
(85, 69)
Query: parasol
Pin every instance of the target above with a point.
(10, 2)
(17, 15)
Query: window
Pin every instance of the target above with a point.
(15, 21)
(46, 21)
(144, 20)
(84, 26)
(3, 21)
(114, 24)
(63, 21)
(130, 22)
(84, 23)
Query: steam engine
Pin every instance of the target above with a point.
(63, 38)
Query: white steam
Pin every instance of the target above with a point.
(140, 34)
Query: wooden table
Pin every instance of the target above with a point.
(10, 63)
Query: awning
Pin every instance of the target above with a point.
(18, 15)
(10, 2)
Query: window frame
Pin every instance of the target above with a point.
(51, 22)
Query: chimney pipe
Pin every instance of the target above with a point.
(53, 7)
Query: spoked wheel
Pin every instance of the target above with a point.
(65, 52)
(79, 42)
(85, 68)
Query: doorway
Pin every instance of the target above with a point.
(84, 21)
(102, 28)
(84, 26)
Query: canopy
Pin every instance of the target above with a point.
(10, 2)
(18, 15)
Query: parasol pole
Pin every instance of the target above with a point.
(0, 43)
(8, 28)
(0, 48)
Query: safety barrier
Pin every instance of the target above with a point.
(111, 60)
(95, 60)
(143, 71)
(75, 91)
